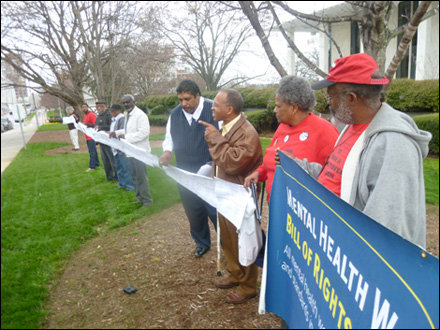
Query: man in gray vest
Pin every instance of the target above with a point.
(186, 138)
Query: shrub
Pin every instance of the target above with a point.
(262, 120)
(158, 110)
(430, 123)
(55, 119)
(414, 95)
(258, 98)
(321, 102)
(171, 101)
(209, 94)
(160, 120)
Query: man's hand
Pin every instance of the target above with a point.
(166, 157)
(252, 178)
(209, 127)
(111, 134)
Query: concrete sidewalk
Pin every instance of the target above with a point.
(12, 140)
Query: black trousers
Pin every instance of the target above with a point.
(198, 212)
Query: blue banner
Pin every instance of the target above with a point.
(331, 266)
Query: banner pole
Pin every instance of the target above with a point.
(219, 273)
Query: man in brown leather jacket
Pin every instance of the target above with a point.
(236, 152)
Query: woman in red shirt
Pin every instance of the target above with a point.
(301, 133)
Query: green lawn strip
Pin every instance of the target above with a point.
(431, 180)
(49, 208)
(52, 127)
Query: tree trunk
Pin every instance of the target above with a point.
(249, 10)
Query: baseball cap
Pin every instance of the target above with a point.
(100, 102)
(115, 107)
(353, 69)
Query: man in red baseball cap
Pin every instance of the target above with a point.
(377, 162)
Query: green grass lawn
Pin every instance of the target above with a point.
(50, 207)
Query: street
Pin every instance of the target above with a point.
(12, 141)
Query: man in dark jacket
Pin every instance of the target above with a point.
(102, 123)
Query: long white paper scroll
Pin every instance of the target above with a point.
(228, 198)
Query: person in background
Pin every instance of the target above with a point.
(186, 139)
(300, 133)
(73, 131)
(236, 152)
(102, 123)
(137, 131)
(89, 121)
(377, 163)
(121, 162)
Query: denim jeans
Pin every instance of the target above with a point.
(94, 159)
(124, 172)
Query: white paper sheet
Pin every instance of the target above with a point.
(68, 120)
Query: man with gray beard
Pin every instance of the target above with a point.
(377, 162)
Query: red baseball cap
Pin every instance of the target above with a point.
(353, 69)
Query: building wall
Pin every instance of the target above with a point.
(428, 49)
(427, 63)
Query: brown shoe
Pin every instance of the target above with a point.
(225, 284)
(236, 299)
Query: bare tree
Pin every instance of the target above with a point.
(39, 40)
(106, 33)
(251, 13)
(371, 16)
(63, 46)
(151, 69)
(208, 38)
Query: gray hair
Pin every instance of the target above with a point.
(130, 96)
(297, 90)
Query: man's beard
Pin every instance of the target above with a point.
(344, 115)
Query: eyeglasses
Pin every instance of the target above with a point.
(328, 98)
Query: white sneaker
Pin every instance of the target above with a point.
(90, 169)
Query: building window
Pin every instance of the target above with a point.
(355, 43)
(407, 68)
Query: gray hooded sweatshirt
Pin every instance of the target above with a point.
(383, 174)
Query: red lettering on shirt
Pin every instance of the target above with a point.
(331, 175)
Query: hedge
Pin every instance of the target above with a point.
(169, 101)
(430, 123)
(55, 119)
(158, 110)
(414, 95)
(160, 120)
(403, 94)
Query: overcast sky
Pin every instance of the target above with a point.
(254, 61)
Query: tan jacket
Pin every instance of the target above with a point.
(238, 153)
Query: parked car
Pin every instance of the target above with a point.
(6, 124)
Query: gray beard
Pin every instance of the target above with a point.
(344, 115)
